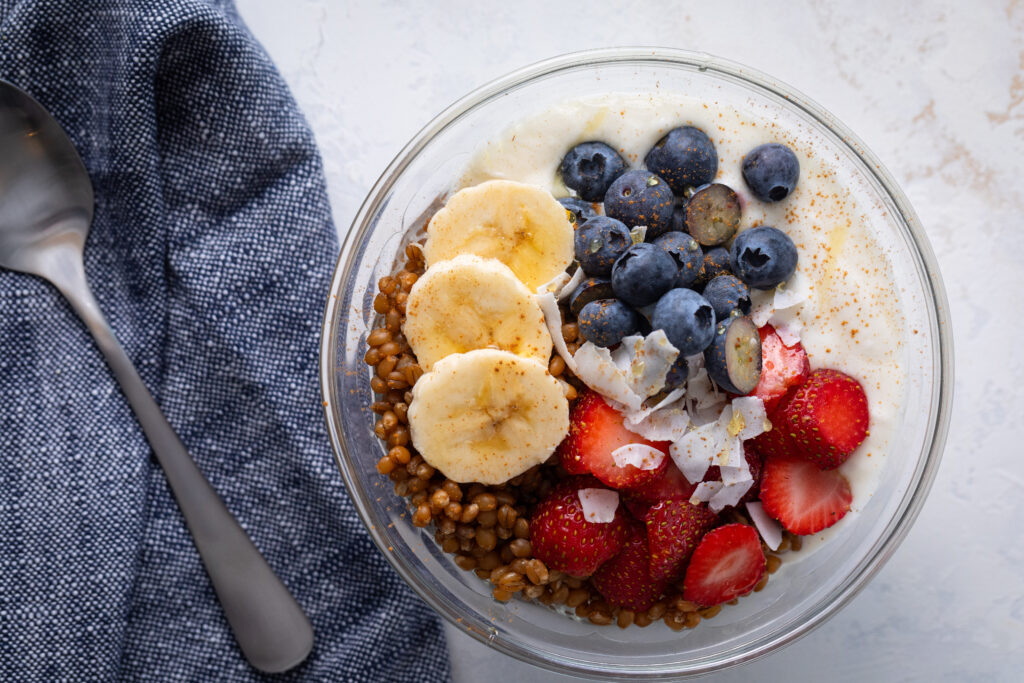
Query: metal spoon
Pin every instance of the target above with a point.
(46, 205)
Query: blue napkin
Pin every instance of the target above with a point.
(210, 253)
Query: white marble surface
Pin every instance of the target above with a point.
(935, 89)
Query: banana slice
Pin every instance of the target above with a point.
(522, 226)
(487, 415)
(469, 303)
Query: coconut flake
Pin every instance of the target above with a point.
(702, 391)
(751, 408)
(789, 332)
(555, 284)
(652, 359)
(569, 287)
(639, 455)
(761, 306)
(694, 452)
(623, 355)
(599, 505)
(728, 495)
(705, 491)
(770, 530)
(595, 367)
(638, 233)
(553, 319)
(668, 421)
(792, 292)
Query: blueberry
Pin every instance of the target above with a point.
(716, 262)
(606, 321)
(771, 171)
(733, 360)
(687, 319)
(599, 242)
(641, 198)
(591, 289)
(763, 257)
(643, 274)
(685, 158)
(727, 293)
(579, 210)
(687, 254)
(678, 373)
(713, 214)
(589, 168)
(678, 217)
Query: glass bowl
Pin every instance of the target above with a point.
(798, 598)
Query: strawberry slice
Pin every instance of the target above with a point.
(827, 418)
(726, 564)
(804, 498)
(670, 484)
(673, 529)
(564, 540)
(596, 430)
(625, 580)
(782, 367)
(777, 441)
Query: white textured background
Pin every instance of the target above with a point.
(935, 89)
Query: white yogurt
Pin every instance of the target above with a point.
(851, 320)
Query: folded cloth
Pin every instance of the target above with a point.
(210, 253)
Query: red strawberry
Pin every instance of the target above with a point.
(827, 418)
(625, 580)
(564, 540)
(595, 431)
(804, 498)
(673, 529)
(754, 463)
(671, 484)
(782, 367)
(776, 441)
(726, 564)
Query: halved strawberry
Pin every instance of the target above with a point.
(670, 484)
(625, 580)
(673, 529)
(564, 540)
(804, 498)
(595, 431)
(726, 564)
(782, 367)
(777, 441)
(827, 418)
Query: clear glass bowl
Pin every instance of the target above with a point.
(798, 598)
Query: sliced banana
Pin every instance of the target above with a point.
(468, 303)
(522, 226)
(487, 415)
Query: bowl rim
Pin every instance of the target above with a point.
(941, 331)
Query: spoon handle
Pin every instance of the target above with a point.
(270, 627)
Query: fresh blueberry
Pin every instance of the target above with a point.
(733, 360)
(713, 214)
(641, 198)
(643, 274)
(763, 257)
(679, 217)
(727, 293)
(591, 289)
(589, 168)
(606, 321)
(716, 262)
(599, 242)
(579, 210)
(687, 254)
(771, 171)
(678, 373)
(685, 158)
(687, 319)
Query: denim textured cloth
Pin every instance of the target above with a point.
(210, 253)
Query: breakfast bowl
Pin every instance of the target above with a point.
(874, 256)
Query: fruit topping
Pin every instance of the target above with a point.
(487, 415)
(606, 321)
(687, 319)
(599, 505)
(733, 359)
(670, 485)
(804, 498)
(712, 214)
(591, 289)
(674, 527)
(642, 274)
(763, 257)
(827, 418)
(641, 198)
(625, 580)
(589, 168)
(755, 465)
(685, 158)
(716, 262)
(687, 254)
(579, 210)
(771, 171)
(596, 433)
(563, 539)
(726, 564)
(782, 367)
(727, 293)
(599, 242)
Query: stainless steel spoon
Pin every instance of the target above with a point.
(46, 205)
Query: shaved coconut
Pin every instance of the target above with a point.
(792, 292)
(732, 453)
(639, 455)
(733, 476)
(624, 354)
(595, 367)
(555, 284)
(693, 453)
(762, 305)
(702, 391)
(569, 287)
(553, 319)
(751, 408)
(667, 423)
(599, 505)
(635, 417)
(638, 233)
(770, 530)
(705, 491)
(727, 496)
(789, 332)
(653, 358)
